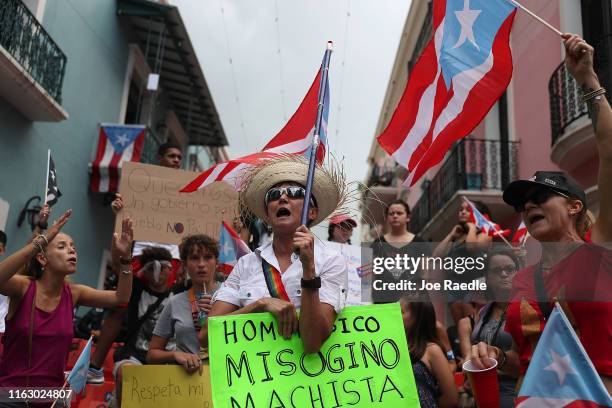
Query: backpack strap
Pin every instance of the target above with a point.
(541, 294)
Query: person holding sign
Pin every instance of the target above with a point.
(39, 322)
(574, 269)
(185, 313)
(274, 278)
(169, 155)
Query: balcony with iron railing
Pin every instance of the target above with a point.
(476, 168)
(32, 65)
(566, 105)
(572, 137)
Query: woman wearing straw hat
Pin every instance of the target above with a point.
(273, 278)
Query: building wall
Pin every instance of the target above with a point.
(97, 51)
(537, 53)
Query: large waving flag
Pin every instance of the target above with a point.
(462, 72)
(231, 248)
(78, 376)
(560, 373)
(116, 144)
(295, 137)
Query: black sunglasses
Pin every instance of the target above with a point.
(539, 196)
(276, 193)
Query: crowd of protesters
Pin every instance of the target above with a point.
(163, 305)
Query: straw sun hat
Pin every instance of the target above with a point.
(328, 187)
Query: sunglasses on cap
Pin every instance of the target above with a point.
(293, 192)
(539, 196)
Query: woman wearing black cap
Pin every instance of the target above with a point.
(578, 274)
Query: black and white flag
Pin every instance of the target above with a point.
(53, 192)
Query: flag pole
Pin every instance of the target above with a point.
(504, 238)
(317, 130)
(61, 389)
(534, 15)
(47, 175)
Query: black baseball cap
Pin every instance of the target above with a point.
(516, 193)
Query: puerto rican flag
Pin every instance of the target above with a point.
(484, 222)
(231, 248)
(521, 234)
(560, 373)
(462, 72)
(296, 137)
(116, 144)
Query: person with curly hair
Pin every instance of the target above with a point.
(186, 312)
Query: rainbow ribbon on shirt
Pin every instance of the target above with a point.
(274, 281)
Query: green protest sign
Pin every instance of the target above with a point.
(364, 363)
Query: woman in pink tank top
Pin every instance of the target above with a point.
(39, 322)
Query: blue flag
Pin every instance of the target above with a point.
(560, 372)
(78, 376)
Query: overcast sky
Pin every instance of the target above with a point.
(276, 48)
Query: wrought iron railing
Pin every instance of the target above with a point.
(473, 164)
(27, 41)
(565, 104)
(381, 176)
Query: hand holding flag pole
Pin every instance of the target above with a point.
(47, 175)
(317, 131)
(485, 224)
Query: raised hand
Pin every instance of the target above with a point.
(579, 60)
(121, 247)
(43, 214)
(117, 204)
(57, 225)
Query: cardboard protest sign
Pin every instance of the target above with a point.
(364, 363)
(165, 386)
(151, 198)
(359, 290)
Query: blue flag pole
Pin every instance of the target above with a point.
(316, 141)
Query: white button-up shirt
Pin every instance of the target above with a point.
(246, 283)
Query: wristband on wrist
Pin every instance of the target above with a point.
(596, 94)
